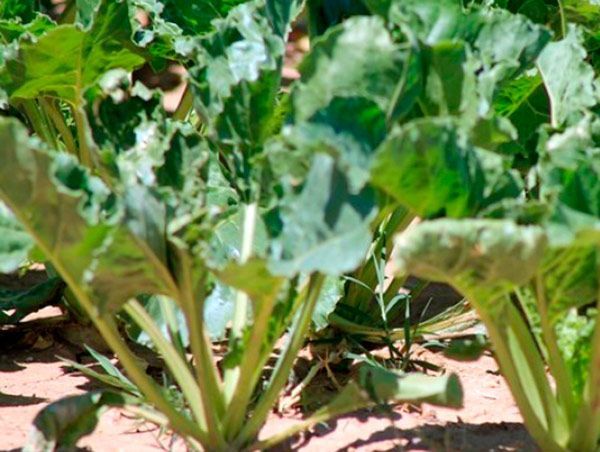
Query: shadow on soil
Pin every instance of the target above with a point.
(451, 437)
(19, 400)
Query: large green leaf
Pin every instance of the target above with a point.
(433, 21)
(66, 60)
(425, 167)
(470, 53)
(379, 70)
(351, 140)
(113, 251)
(476, 256)
(569, 80)
(325, 227)
(509, 42)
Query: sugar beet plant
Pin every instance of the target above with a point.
(531, 265)
(263, 210)
(137, 211)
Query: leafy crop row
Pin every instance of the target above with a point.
(254, 210)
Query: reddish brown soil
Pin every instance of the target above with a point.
(32, 377)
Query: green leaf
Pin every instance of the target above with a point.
(120, 383)
(113, 251)
(489, 256)
(325, 227)
(23, 9)
(570, 175)
(443, 92)
(387, 385)
(569, 80)
(585, 13)
(571, 278)
(175, 25)
(377, 70)
(86, 9)
(195, 18)
(569, 172)
(352, 140)
(575, 336)
(253, 278)
(11, 30)
(218, 311)
(468, 349)
(331, 293)
(61, 424)
(509, 42)
(66, 60)
(123, 117)
(132, 259)
(425, 167)
(524, 101)
(237, 76)
(15, 243)
(434, 21)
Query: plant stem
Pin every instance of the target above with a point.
(85, 156)
(159, 419)
(284, 363)
(38, 123)
(59, 123)
(522, 366)
(192, 298)
(151, 391)
(563, 18)
(168, 311)
(249, 369)
(242, 302)
(185, 104)
(69, 13)
(181, 372)
(556, 362)
(351, 398)
(392, 223)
